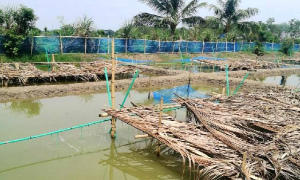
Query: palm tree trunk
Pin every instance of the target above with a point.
(173, 28)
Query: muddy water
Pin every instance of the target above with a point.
(292, 80)
(87, 153)
(195, 68)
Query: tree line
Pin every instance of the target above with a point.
(175, 20)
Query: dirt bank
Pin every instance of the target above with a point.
(179, 77)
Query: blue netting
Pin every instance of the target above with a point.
(103, 45)
(134, 61)
(182, 60)
(209, 58)
(183, 91)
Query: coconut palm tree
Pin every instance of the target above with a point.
(171, 13)
(229, 14)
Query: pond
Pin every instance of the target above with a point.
(87, 153)
(291, 80)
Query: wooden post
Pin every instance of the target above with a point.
(145, 45)
(203, 45)
(242, 45)
(149, 94)
(223, 91)
(273, 46)
(186, 47)
(173, 47)
(216, 46)
(98, 50)
(226, 48)
(53, 63)
(85, 45)
(108, 44)
(159, 123)
(2, 67)
(234, 46)
(126, 45)
(113, 121)
(31, 48)
(61, 45)
(249, 46)
(158, 45)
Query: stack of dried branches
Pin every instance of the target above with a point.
(68, 70)
(263, 127)
(234, 65)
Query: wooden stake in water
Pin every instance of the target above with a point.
(53, 63)
(2, 66)
(159, 123)
(113, 121)
(149, 94)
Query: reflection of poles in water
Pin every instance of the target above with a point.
(113, 150)
(283, 81)
(149, 94)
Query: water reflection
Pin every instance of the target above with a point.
(86, 97)
(30, 108)
(141, 162)
(291, 80)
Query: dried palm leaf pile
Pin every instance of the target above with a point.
(249, 136)
(25, 73)
(234, 65)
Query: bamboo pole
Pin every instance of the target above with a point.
(145, 45)
(234, 46)
(240, 85)
(149, 94)
(242, 45)
(173, 47)
(127, 93)
(85, 45)
(31, 48)
(203, 45)
(2, 66)
(107, 87)
(126, 45)
(227, 80)
(273, 46)
(113, 121)
(61, 45)
(186, 47)
(158, 45)
(226, 44)
(108, 44)
(159, 123)
(98, 50)
(53, 63)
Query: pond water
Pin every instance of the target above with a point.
(196, 68)
(291, 80)
(87, 153)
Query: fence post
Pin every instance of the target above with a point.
(108, 44)
(159, 45)
(234, 46)
(61, 45)
(186, 47)
(249, 46)
(98, 50)
(203, 45)
(53, 63)
(145, 44)
(216, 46)
(273, 46)
(242, 45)
(85, 45)
(226, 48)
(173, 47)
(126, 45)
(31, 49)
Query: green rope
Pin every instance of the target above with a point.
(227, 80)
(107, 87)
(127, 93)
(54, 132)
(171, 109)
(240, 85)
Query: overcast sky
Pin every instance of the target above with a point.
(111, 14)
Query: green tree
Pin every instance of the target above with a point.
(229, 14)
(171, 13)
(84, 27)
(294, 29)
(16, 24)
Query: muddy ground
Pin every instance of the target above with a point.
(166, 78)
